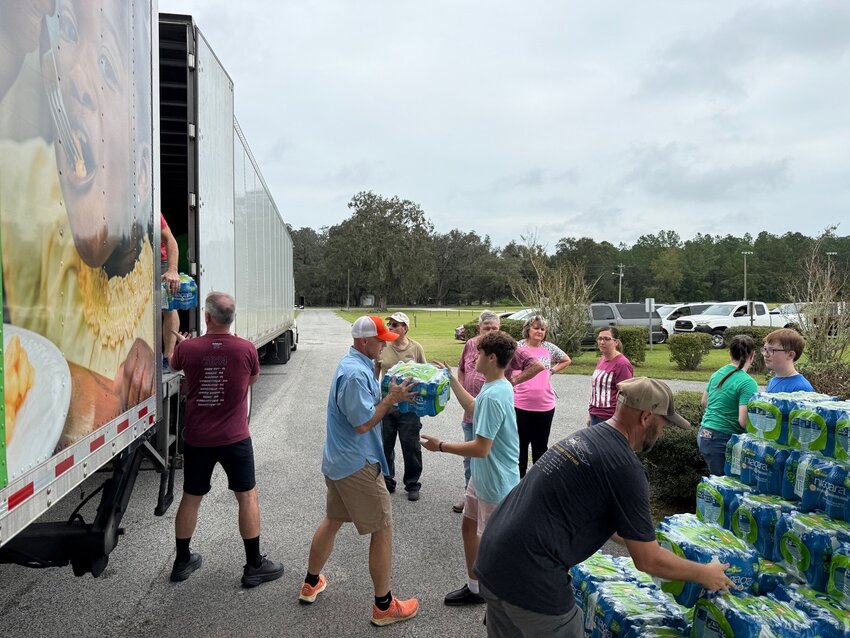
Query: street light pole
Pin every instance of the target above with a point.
(745, 253)
(620, 287)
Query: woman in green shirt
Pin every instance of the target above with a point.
(725, 400)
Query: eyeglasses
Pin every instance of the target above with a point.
(605, 338)
(767, 350)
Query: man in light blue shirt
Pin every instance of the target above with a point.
(493, 451)
(354, 466)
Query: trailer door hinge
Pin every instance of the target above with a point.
(193, 201)
(192, 131)
(190, 60)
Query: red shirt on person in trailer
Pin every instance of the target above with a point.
(218, 368)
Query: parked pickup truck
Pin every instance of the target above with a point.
(715, 319)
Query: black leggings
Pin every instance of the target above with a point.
(533, 428)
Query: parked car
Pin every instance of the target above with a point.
(669, 313)
(622, 315)
(460, 332)
(716, 318)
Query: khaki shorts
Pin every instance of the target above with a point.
(476, 508)
(361, 498)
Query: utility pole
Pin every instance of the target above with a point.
(745, 253)
(620, 287)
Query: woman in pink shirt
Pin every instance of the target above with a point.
(534, 400)
(612, 368)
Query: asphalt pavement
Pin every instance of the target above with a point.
(134, 596)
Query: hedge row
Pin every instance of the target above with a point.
(674, 464)
(634, 340)
(512, 326)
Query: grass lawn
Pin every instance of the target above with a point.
(434, 330)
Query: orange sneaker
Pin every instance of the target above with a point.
(398, 611)
(308, 594)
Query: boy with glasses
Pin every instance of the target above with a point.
(781, 349)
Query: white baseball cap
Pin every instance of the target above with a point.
(400, 317)
(369, 326)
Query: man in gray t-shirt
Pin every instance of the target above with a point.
(584, 490)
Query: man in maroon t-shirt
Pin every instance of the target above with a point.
(219, 367)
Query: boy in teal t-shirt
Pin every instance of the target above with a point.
(494, 450)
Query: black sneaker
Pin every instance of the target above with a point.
(413, 495)
(267, 571)
(183, 569)
(462, 596)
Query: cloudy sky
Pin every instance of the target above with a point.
(548, 117)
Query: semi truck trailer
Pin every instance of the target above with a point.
(109, 114)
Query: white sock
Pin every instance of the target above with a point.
(473, 586)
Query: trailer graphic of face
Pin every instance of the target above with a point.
(76, 219)
(96, 85)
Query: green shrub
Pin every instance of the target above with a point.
(829, 378)
(634, 342)
(512, 326)
(758, 333)
(674, 464)
(470, 329)
(688, 349)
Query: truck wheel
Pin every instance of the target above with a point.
(276, 351)
(662, 338)
(294, 342)
(717, 339)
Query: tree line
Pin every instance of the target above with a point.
(389, 249)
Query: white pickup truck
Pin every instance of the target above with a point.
(716, 318)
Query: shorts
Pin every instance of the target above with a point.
(476, 508)
(237, 459)
(361, 498)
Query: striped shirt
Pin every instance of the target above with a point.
(606, 377)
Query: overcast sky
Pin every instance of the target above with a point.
(559, 118)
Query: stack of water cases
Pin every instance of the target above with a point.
(780, 518)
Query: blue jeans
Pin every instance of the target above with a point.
(467, 436)
(712, 446)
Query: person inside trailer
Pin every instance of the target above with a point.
(76, 195)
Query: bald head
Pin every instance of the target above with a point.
(220, 307)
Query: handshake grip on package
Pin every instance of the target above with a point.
(431, 389)
(185, 298)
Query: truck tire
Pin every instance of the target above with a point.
(662, 338)
(718, 340)
(276, 351)
(284, 346)
(294, 342)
